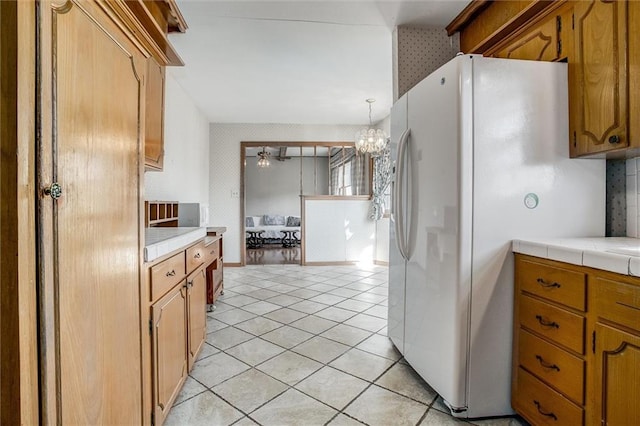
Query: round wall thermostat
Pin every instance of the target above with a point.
(531, 200)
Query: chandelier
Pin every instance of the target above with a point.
(263, 158)
(370, 141)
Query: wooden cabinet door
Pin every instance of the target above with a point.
(598, 91)
(169, 338)
(617, 376)
(154, 117)
(90, 86)
(539, 44)
(197, 312)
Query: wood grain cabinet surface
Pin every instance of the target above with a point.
(89, 292)
(599, 40)
(178, 319)
(540, 43)
(616, 367)
(598, 94)
(575, 360)
(154, 117)
(169, 357)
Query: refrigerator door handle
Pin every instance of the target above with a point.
(398, 196)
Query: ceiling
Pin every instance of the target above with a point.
(296, 61)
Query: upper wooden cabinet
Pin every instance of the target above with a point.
(598, 88)
(156, 19)
(593, 37)
(154, 117)
(541, 44)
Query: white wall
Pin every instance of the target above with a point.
(276, 189)
(185, 176)
(338, 231)
(225, 166)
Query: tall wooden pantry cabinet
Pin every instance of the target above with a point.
(74, 89)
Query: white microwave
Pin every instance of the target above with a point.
(193, 214)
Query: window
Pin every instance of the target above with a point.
(348, 172)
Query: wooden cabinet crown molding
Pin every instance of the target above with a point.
(149, 28)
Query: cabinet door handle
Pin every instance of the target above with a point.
(171, 273)
(546, 323)
(547, 284)
(614, 139)
(196, 256)
(544, 413)
(545, 364)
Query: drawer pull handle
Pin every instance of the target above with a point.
(171, 274)
(196, 256)
(546, 323)
(553, 416)
(547, 284)
(545, 364)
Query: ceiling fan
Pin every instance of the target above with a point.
(282, 154)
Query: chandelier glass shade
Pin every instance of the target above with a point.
(263, 159)
(369, 140)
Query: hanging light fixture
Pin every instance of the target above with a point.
(371, 141)
(263, 158)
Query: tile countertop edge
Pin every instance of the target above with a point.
(590, 252)
(169, 243)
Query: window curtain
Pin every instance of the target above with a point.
(381, 181)
(357, 174)
(356, 178)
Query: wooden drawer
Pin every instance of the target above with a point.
(541, 405)
(616, 301)
(561, 326)
(556, 367)
(553, 283)
(195, 256)
(212, 252)
(166, 274)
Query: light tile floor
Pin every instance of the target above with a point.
(292, 345)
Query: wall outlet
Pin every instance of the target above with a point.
(235, 193)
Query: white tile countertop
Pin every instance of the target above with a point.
(160, 241)
(620, 255)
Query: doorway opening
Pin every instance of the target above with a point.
(275, 178)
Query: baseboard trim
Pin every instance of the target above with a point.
(232, 265)
(380, 263)
(329, 263)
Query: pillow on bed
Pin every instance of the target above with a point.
(248, 222)
(293, 221)
(273, 219)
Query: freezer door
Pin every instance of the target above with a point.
(437, 302)
(397, 264)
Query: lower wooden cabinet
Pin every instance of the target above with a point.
(178, 324)
(617, 371)
(169, 337)
(576, 360)
(196, 313)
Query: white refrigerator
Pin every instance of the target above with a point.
(481, 158)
